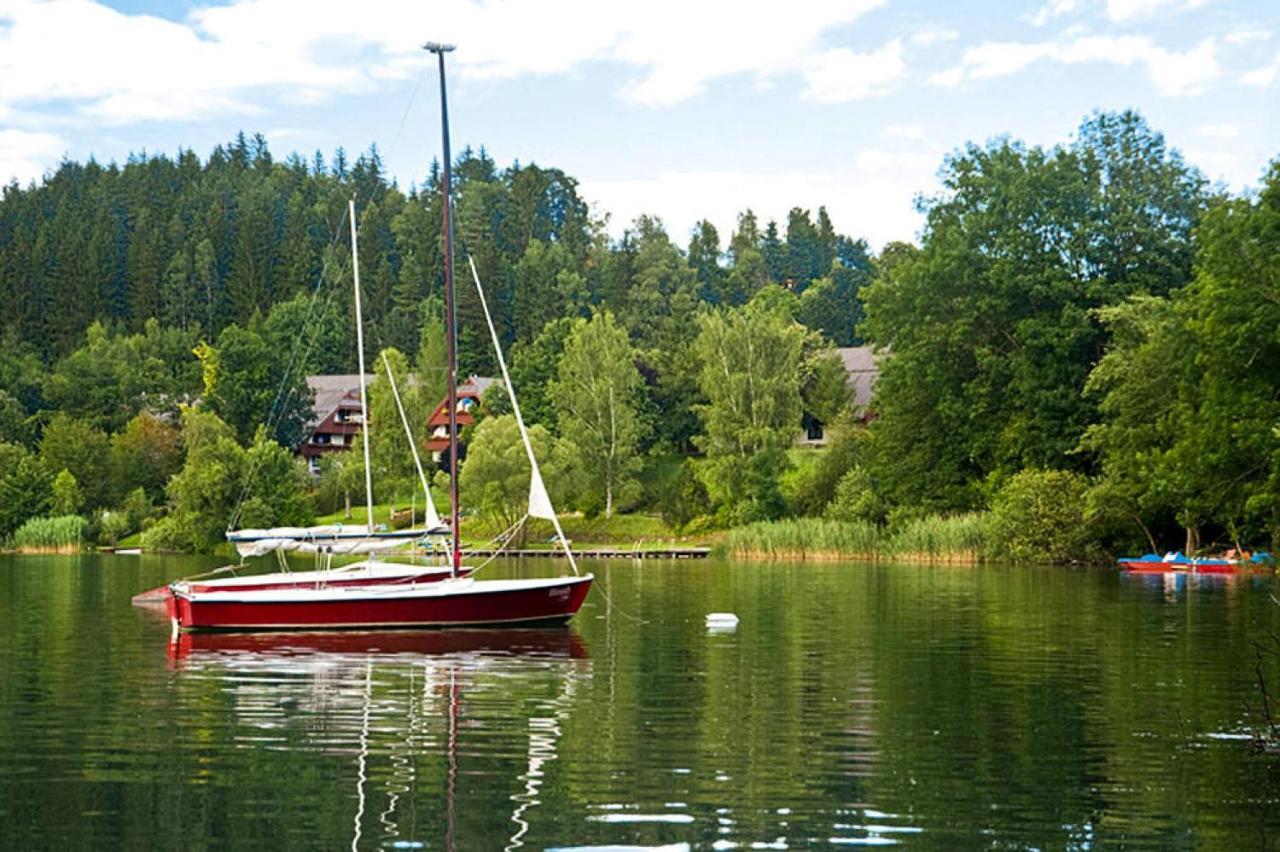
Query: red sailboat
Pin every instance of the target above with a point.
(426, 600)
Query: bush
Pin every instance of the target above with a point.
(61, 533)
(1040, 516)
(855, 499)
(112, 527)
(686, 498)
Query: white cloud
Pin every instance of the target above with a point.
(933, 35)
(128, 67)
(841, 75)
(1247, 36)
(1050, 10)
(872, 197)
(24, 155)
(1219, 131)
(1172, 73)
(1264, 76)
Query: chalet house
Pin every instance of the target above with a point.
(336, 419)
(469, 395)
(860, 362)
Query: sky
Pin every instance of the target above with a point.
(684, 110)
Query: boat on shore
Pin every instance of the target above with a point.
(1177, 562)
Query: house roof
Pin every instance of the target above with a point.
(331, 390)
(862, 365)
(480, 383)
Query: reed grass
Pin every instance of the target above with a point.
(937, 539)
(62, 534)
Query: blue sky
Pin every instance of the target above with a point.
(682, 110)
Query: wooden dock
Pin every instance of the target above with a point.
(598, 553)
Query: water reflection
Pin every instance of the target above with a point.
(986, 707)
(396, 699)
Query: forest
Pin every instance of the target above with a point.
(1080, 356)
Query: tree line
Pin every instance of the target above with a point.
(1084, 329)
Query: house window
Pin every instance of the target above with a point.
(320, 439)
(313, 465)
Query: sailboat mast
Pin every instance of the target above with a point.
(450, 321)
(364, 401)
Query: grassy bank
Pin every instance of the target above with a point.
(63, 534)
(954, 539)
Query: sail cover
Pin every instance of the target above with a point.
(333, 538)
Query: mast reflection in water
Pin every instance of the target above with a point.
(400, 701)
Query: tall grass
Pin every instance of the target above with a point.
(805, 538)
(62, 534)
(941, 538)
(959, 539)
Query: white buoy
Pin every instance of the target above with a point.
(722, 619)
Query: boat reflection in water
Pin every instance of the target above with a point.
(397, 702)
(256, 648)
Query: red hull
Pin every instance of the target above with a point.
(445, 604)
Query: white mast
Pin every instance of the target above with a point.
(364, 402)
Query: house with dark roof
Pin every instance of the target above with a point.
(336, 416)
(862, 365)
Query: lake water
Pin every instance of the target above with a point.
(935, 708)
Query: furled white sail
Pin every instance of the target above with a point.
(331, 538)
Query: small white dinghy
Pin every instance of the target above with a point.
(722, 622)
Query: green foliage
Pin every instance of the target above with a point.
(1040, 516)
(596, 398)
(275, 486)
(26, 488)
(856, 499)
(534, 366)
(932, 539)
(687, 500)
(67, 498)
(810, 488)
(245, 384)
(63, 532)
(825, 392)
(113, 376)
(1188, 389)
(394, 473)
(432, 370)
(989, 324)
(495, 474)
(83, 450)
(751, 375)
(113, 526)
(221, 484)
(145, 455)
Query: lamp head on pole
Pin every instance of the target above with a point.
(437, 47)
